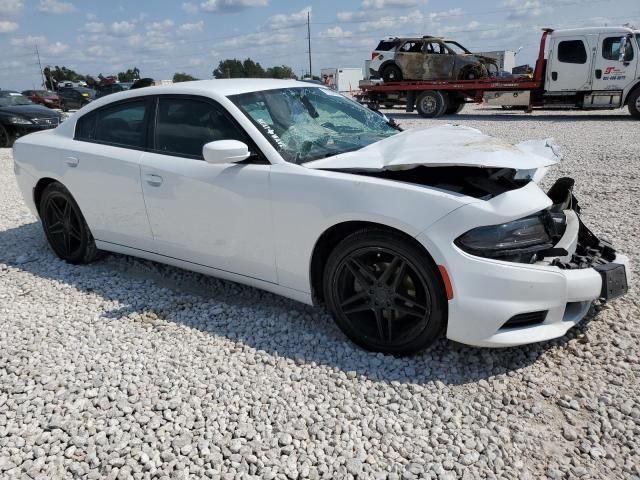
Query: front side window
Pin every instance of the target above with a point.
(572, 51)
(305, 124)
(611, 49)
(121, 125)
(184, 126)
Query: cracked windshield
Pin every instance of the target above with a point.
(306, 124)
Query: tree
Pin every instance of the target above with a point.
(182, 77)
(60, 74)
(281, 71)
(248, 68)
(131, 75)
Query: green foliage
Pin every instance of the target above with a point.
(182, 77)
(58, 74)
(131, 75)
(234, 68)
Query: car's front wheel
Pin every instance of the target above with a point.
(384, 292)
(65, 227)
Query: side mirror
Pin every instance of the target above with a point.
(225, 151)
(624, 46)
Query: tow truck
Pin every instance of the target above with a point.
(583, 68)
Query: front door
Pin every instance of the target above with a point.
(610, 72)
(410, 58)
(570, 66)
(213, 215)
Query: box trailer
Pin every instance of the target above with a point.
(343, 80)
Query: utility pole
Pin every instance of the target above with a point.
(309, 39)
(44, 84)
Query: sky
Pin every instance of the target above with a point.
(164, 37)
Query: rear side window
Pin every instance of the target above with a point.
(386, 45)
(121, 125)
(611, 49)
(184, 125)
(572, 51)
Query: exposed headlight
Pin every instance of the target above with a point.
(516, 241)
(19, 121)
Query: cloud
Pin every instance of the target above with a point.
(256, 39)
(56, 6)
(91, 16)
(191, 27)
(379, 4)
(122, 28)
(164, 24)
(93, 27)
(190, 8)
(7, 26)
(229, 6)
(43, 44)
(525, 9)
(336, 32)
(10, 7)
(282, 20)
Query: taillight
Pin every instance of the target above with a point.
(373, 55)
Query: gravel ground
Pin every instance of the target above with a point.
(130, 369)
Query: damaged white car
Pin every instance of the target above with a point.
(295, 189)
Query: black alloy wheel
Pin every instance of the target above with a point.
(6, 139)
(385, 293)
(65, 227)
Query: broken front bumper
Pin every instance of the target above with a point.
(498, 303)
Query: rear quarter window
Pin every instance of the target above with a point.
(386, 45)
(572, 51)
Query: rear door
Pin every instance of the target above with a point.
(611, 72)
(102, 171)
(570, 66)
(410, 58)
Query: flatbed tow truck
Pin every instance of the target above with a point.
(585, 68)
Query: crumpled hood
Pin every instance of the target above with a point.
(444, 145)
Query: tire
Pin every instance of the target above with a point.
(64, 226)
(6, 137)
(633, 103)
(454, 108)
(471, 72)
(384, 292)
(431, 103)
(391, 73)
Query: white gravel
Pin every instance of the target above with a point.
(130, 369)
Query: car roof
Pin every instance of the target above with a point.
(590, 30)
(221, 87)
(2, 92)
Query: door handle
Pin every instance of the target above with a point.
(554, 75)
(598, 74)
(72, 161)
(153, 180)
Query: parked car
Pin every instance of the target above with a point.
(292, 188)
(20, 116)
(75, 97)
(427, 58)
(103, 90)
(43, 97)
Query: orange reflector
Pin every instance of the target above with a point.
(446, 281)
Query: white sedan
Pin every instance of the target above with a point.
(292, 188)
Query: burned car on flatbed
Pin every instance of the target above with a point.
(428, 58)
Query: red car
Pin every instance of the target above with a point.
(43, 97)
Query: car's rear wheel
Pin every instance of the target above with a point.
(65, 227)
(384, 292)
(391, 73)
(6, 137)
(431, 103)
